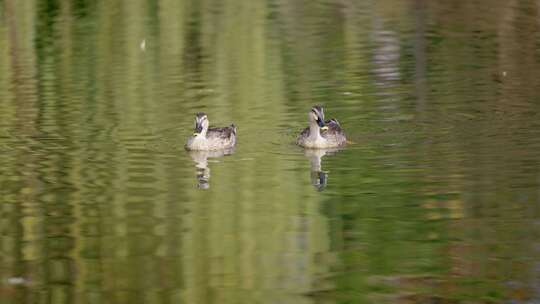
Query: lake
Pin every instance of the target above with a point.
(436, 198)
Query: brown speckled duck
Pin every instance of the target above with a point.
(206, 139)
(321, 134)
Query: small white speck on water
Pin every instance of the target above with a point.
(347, 93)
(16, 281)
(504, 73)
(143, 45)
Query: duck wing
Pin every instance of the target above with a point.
(304, 133)
(333, 127)
(223, 132)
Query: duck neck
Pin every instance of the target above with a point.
(314, 130)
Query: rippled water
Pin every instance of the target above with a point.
(436, 200)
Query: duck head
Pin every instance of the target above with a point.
(316, 116)
(201, 124)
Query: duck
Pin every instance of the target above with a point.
(321, 134)
(208, 139)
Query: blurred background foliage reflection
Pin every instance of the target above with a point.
(437, 200)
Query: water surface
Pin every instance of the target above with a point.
(436, 200)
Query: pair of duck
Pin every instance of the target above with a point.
(319, 135)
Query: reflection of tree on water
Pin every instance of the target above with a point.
(201, 163)
(319, 178)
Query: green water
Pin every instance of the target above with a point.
(436, 200)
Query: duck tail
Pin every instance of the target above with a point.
(233, 127)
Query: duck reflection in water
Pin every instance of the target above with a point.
(201, 164)
(319, 178)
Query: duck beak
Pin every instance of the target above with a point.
(324, 128)
(198, 128)
(320, 122)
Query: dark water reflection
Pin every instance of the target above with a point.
(436, 201)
